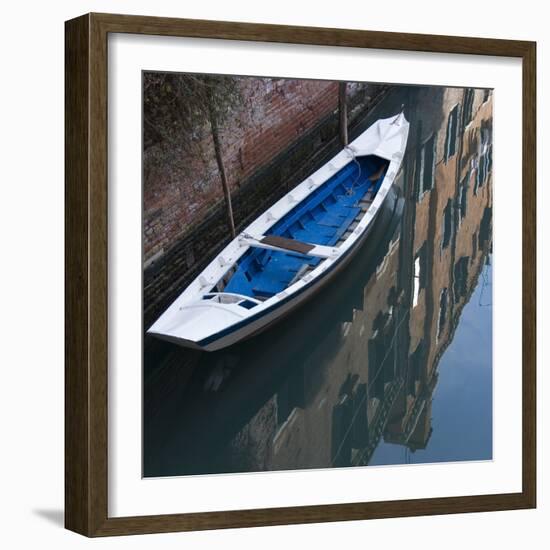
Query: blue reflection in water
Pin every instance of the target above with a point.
(462, 408)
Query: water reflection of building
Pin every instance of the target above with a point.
(379, 381)
(451, 204)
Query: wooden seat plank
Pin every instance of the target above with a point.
(287, 244)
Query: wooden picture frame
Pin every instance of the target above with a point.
(86, 222)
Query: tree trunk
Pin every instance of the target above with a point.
(343, 112)
(221, 168)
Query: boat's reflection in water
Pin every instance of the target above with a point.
(358, 363)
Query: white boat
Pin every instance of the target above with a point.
(294, 248)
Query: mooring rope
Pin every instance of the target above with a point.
(348, 149)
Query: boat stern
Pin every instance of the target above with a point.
(197, 324)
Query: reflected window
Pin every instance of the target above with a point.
(468, 106)
(485, 226)
(447, 224)
(416, 281)
(443, 303)
(420, 271)
(461, 277)
(450, 138)
(426, 167)
(462, 199)
(485, 156)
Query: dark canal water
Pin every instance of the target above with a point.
(392, 364)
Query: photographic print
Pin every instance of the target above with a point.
(317, 274)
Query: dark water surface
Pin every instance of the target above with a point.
(391, 364)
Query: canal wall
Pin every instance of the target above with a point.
(283, 131)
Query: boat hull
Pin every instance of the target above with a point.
(268, 318)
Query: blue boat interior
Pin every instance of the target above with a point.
(326, 217)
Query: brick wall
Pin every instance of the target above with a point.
(181, 186)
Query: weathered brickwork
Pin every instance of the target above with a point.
(273, 113)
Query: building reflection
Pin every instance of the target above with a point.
(359, 364)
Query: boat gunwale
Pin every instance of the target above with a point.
(250, 315)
